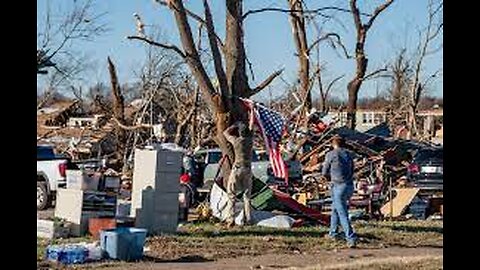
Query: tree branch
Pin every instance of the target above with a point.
(434, 75)
(195, 17)
(377, 11)
(434, 34)
(329, 36)
(330, 85)
(322, 38)
(250, 67)
(356, 16)
(284, 10)
(217, 57)
(368, 76)
(161, 45)
(265, 83)
(193, 60)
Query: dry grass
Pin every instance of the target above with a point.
(207, 242)
(210, 242)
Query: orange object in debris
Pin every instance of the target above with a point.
(302, 198)
(95, 225)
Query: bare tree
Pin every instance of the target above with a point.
(417, 87)
(79, 23)
(62, 78)
(56, 58)
(400, 74)
(299, 16)
(118, 111)
(325, 89)
(297, 21)
(232, 79)
(361, 59)
(186, 117)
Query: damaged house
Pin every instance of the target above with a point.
(66, 126)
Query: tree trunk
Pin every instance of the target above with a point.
(218, 104)
(118, 111)
(360, 57)
(323, 105)
(236, 77)
(297, 21)
(397, 92)
(354, 85)
(353, 88)
(225, 105)
(412, 121)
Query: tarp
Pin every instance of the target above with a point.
(381, 129)
(218, 204)
(280, 221)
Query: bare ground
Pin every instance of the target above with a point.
(387, 258)
(383, 245)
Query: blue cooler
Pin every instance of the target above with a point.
(124, 244)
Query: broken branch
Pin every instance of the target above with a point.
(366, 77)
(196, 18)
(329, 36)
(330, 85)
(265, 83)
(161, 45)
(377, 11)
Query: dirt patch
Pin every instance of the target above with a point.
(387, 258)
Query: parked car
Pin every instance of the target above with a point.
(51, 170)
(261, 168)
(426, 169)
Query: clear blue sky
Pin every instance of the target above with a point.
(268, 38)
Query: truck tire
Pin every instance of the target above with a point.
(43, 198)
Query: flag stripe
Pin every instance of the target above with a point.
(271, 125)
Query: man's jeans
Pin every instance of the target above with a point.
(341, 193)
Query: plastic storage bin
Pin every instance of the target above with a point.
(124, 243)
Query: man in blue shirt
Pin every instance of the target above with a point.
(338, 168)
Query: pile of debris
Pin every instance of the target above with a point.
(381, 164)
(74, 133)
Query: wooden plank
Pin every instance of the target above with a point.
(400, 202)
(313, 151)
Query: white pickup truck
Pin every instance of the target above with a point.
(50, 175)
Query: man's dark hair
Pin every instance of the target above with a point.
(337, 140)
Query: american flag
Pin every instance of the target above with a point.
(270, 124)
